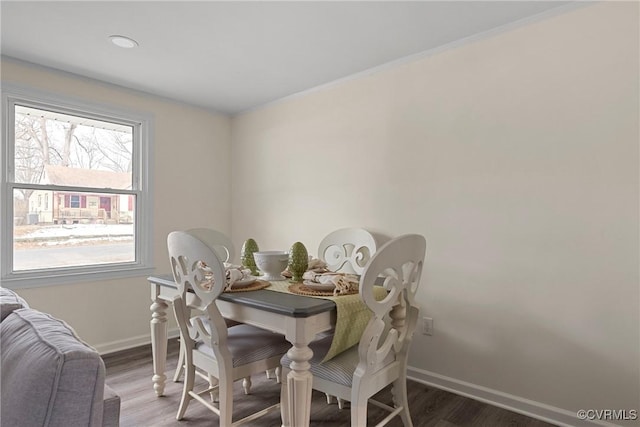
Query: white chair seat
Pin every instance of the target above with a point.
(249, 344)
(339, 369)
(205, 321)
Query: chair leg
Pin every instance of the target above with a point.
(278, 372)
(213, 381)
(399, 393)
(180, 367)
(274, 373)
(188, 386)
(246, 385)
(340, 403)
(330, 401)
(226, 403)
(359, 411)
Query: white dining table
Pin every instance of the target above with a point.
(297, 317)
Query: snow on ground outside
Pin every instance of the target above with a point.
(77, 231)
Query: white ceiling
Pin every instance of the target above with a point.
(233, 56)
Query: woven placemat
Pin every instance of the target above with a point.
(301, 289)
(258, 284)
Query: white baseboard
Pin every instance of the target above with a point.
(125, 344)
(530, 408)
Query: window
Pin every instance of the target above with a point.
(93, 163)
(74, 201)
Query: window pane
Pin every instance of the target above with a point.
(61, 149)
(77, 229)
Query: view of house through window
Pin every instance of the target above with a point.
(73, 202)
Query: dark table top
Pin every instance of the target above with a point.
(276, 302)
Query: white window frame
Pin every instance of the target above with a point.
(142, 123)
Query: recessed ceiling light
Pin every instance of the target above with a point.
(122, 41)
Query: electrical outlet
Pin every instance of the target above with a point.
(427, 326)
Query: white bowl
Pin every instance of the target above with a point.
(271, 263)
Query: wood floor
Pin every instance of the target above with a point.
(129, 374)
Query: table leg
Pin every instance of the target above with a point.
(159, 344)
(299, 383)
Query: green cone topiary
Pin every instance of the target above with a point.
(298, 261)
(246, 255)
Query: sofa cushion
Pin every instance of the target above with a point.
(9, 302)
(49, 376)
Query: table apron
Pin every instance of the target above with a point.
(288, 326)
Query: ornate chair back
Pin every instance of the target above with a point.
(219, 242)
(224, 249)
(386, 339)
(347, 250)
(195, 266)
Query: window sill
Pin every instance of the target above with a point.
(43, 278)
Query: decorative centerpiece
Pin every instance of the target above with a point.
(246, 255)
(271, 263)
(298, 261)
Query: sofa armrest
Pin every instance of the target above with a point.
(49, 376)
(10, 302)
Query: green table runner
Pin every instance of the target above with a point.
(352, 317)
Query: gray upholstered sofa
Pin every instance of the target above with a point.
(49, 377)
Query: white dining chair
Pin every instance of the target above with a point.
(218, 241)
(347, 250)
(223, 247)
(225, 354)
(381, 357)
